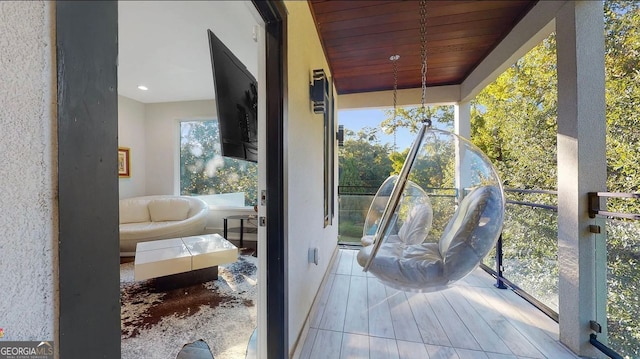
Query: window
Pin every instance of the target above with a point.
(329, 158)
(204, 171)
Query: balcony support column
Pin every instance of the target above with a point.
(581, 169)
(462, 127)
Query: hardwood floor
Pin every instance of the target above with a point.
(356, 316)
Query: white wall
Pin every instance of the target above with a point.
(151, 131)
(132, 134)
(163, 141)
(304, 161)
(28, 204)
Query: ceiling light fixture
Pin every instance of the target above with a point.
(143, 87)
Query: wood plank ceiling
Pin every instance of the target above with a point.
(359, 37)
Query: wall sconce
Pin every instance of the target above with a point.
(340, 135)
(319, 91)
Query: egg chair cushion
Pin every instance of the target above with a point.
(472, 232)
(413, 267)
(368, 240)
(468, 237)
(414, 230)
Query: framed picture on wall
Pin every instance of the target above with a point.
(124, 165)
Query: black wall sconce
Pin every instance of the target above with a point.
(319, 91)
(340, 135)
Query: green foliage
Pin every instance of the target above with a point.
(411, 117)
(623, 277)
(622, 64)
(349, 229)
(436, 172)
(203, 170)
(363, 165)
(363, 161)
(530, 252)
(622, 61)
(513, 120)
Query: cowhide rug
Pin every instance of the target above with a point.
(222, 312)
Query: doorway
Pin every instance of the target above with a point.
(87, 53)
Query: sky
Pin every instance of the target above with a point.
(355, 120)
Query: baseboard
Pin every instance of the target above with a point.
(297, 349)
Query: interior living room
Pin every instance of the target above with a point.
(169, 134)
(62, 99)
(165, 79)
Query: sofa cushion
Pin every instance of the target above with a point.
(168, 209)
(134, 211)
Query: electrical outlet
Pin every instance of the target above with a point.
(313, 255)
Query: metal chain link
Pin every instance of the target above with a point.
(423, 57)
(394, 61)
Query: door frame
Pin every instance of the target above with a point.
(89, 261)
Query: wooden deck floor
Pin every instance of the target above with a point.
(356, 316)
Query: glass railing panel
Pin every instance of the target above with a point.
(530, 252)
(353, 208)
(623, 285)
(352, 212)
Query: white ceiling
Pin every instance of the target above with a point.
(163, 45)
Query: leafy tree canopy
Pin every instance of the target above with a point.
(363, 161)
(203, 169)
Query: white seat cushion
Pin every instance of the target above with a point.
(368, 240)
(415, 267)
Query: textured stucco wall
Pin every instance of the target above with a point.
(28, 203)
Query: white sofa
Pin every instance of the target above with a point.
(159, 217)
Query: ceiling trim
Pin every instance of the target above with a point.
(534, 27)
(437, 95)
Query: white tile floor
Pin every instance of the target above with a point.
(358, 317)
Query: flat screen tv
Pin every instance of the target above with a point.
(236, 103)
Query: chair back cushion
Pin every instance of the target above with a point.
(416, 227)
(169, 209)
(472, 231)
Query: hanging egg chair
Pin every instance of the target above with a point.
(417, 243)
(410, 222)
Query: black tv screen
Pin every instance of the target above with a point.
(236, 103)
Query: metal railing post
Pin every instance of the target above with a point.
(499, 283)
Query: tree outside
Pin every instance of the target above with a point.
(203, 169)
(363, 165)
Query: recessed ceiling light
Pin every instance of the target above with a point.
(143, 87)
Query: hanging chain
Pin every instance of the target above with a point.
(394, 61)
(423, 57)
